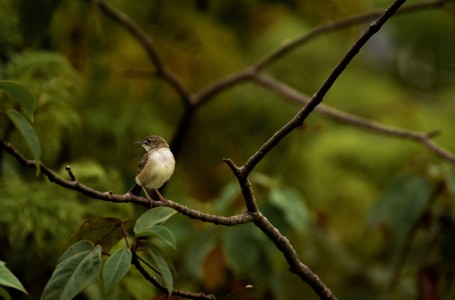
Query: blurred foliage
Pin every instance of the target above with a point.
(373, 216)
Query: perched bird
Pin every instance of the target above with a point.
(155, 167)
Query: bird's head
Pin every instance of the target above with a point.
(153, 142)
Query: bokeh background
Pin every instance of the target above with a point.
(373, 216)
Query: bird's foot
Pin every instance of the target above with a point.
(162, 199)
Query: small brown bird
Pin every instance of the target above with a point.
(156, 166)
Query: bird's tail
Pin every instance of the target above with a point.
(135, 190)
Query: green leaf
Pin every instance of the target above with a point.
(151, 217)
(292, 204)
(160, 232)
(79, 267)
(8, 279)
(242, 249)
(402, 204)
(27, 132)
(21, 95)
(228, 195)
(157, 258)
(4, 294)
(103, 231)
(197, 249)
(116, 267)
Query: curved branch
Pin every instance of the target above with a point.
(75, 185)
(222, 84)
(424, 138)
(288, 46)
(147, 43)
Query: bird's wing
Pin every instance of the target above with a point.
(142, 163)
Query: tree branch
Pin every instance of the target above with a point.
(247, 74)
(288, 46)
(424, 138)
(75, 185)
(296, 266)
(188, 295)
(320, 93)
(281, 242)
(147, 43)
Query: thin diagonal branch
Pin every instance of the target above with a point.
(296, 266)
(320, 93)
(188, 295)
(242, 173)
(147, 43)
(424, 138)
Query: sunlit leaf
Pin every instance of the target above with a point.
(8, 279)
(103, 231)
(151, 217)
(79, 267)
(160, 232)
(27, 132)
(116, 267)
(21, 95)
(157, 257)
(292, 204)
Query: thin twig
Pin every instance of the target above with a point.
(70, 173)
(424, 138)
(188, 295)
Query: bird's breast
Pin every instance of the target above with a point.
(157, 170)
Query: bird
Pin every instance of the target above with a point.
(155, 168)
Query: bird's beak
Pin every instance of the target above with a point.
(139, 142)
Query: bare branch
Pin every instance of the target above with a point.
(288, 46)
(245, 185)
(319, 95)
(127, 198)
(425, 138)
(247, 73)
(281, 242)
(296, 266)
(147, 43)
(222, 84)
